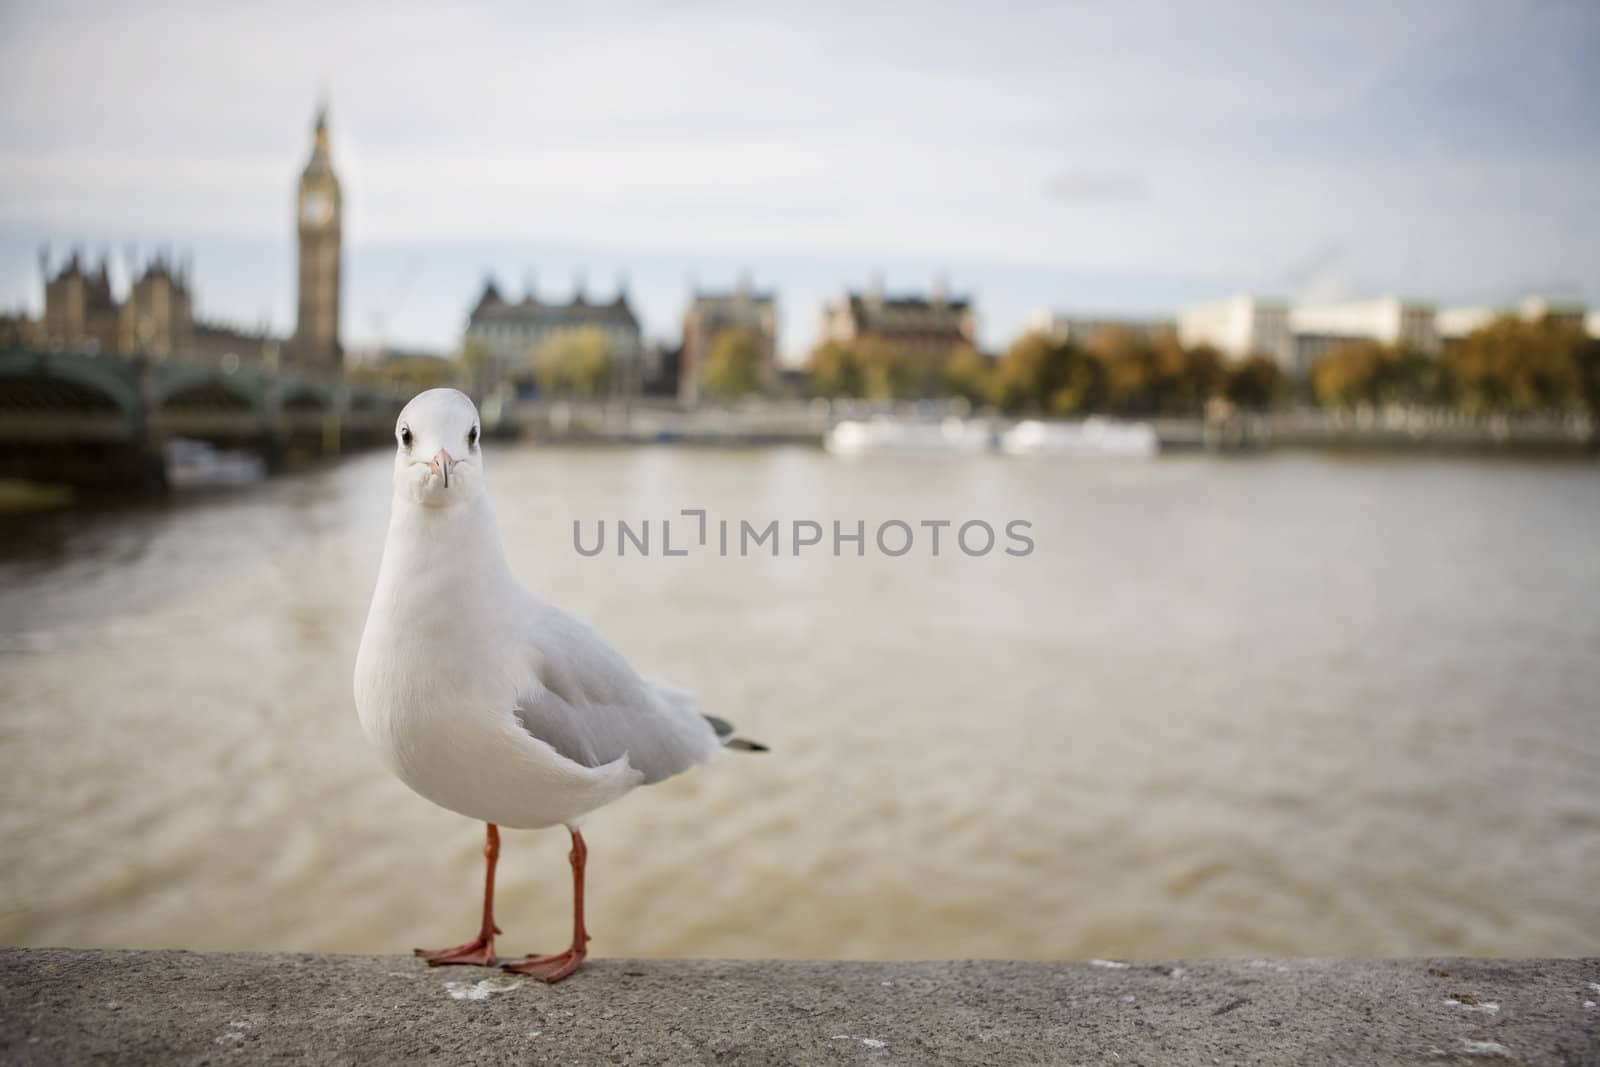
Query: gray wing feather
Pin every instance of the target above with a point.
(594, 708)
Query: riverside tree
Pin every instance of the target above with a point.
(1254, 384)
(873, 368)
(970, 374)
(1514, 365)
(1040, 376)
(412, 373)
(474, 359)
(735, 365)
(1156, 376)
(573, 363)
(1511, 365)
(1366, 372)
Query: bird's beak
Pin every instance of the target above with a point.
(441, 464)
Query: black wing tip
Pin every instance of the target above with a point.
(724, 731)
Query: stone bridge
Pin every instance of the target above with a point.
(101, 420)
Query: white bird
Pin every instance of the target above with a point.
(489, 701)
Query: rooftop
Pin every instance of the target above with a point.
(493, 307)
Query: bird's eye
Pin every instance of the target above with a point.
(472, 437)
(405, 436)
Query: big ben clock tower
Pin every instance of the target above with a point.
(318, 217)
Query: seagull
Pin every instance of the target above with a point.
(489, 701)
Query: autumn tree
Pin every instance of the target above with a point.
(1155, 375)
(1128, 364)
(835, 370)
(873, 368)
(574, 363)
(885, 370)
(1517, 366)
(1041, 376)
(1366, 372)
(735, 366)
(1348, 374)
(1587, 360)
(474, 359)
(970, 374)
(1186, 378)
(411, 373)
(1254, 384)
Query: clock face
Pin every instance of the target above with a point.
(316, 208)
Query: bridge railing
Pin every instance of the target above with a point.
(68, 412)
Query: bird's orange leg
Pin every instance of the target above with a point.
(558, 966)
(478, 952)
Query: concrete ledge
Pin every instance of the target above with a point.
(65, 1006)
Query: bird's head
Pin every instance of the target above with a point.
(438, 460)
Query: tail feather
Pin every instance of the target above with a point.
(724, 730)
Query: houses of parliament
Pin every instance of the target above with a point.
(156, 317)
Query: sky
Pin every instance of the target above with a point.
(1125, 157)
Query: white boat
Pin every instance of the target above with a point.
(1095, 436)
(883, 434)
(197, 465)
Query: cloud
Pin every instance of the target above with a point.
(1175, 145)
(1556, 287)
(1321, 276)
(1097, 187)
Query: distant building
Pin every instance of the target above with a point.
(79, 308)
(1452, 324)
(216, 340)
(1386, 320)
(1547, 309)
(512, 332)
(711, 314)
(319, 212)
(1241, 327)
(155, 320)
(376, 356)
(659, 374)
(1455, 323)
(931, 328)
(1084, 330)
(18, 330)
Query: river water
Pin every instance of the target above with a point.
(1276, 705)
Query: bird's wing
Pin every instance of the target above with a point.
(589, 704)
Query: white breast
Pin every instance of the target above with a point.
(442, 659)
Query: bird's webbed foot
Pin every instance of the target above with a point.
(479, 952)
(550, 969)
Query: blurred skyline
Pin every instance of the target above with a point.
(1100, 157)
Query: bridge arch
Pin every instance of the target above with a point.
(302, 399)
(187, 386)
(290, 394)
(207, 395)
(207, 404)
(62, 380)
